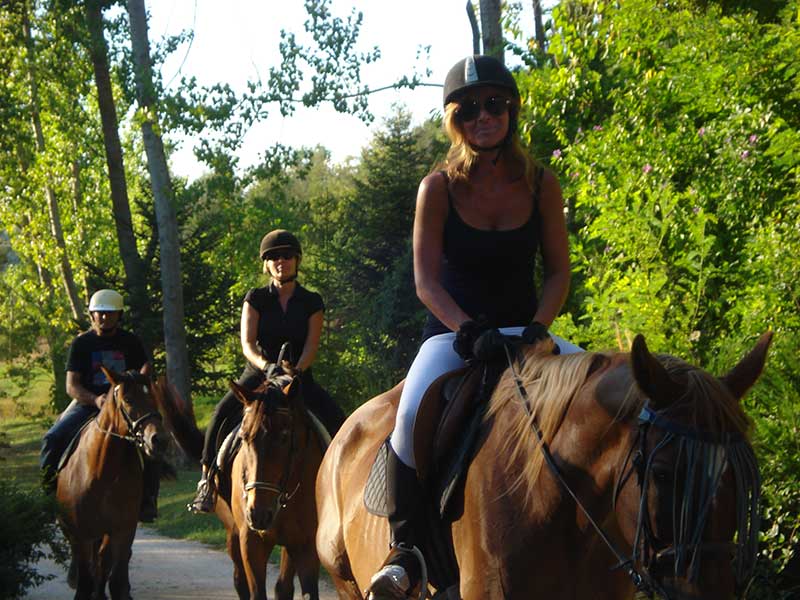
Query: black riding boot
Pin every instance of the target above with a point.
(148, 512)
(401, 572)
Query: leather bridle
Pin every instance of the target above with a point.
(135, 434)
(294, 456)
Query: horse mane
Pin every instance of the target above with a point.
(553, 381)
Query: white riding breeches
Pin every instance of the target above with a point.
(435, 357)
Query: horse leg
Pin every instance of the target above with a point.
(255, 553)
(119, 585)
(82, 557)
(307, 561)
(239, 579)
(284, 587)
(102, 567)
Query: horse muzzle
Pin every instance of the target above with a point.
(259, 518)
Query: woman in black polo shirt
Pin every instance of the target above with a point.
(283, 311)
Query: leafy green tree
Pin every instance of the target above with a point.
(675, 131)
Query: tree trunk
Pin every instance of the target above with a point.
(76, 304)
(541, 42)
(172, 290)
(135, 283)
(491, 31)
(473, 23)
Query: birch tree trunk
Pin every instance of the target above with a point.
(76, 304)
(538, 25)
(473, 23)
(135, 282)
(171, 282)
(491, 31)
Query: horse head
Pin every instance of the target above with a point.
(688, 484)
(131, 410)
(271, 433)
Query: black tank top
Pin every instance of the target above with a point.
(490, 272)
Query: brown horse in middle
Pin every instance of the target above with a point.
(652, 449)
(267, 498)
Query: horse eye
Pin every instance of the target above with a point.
(662, 475)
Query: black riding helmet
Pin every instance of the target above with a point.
(480, 70)
(475, 71)
(279, 239)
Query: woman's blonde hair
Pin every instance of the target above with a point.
(461, 158)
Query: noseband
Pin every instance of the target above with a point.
(739, 454)
(282, 498)
(135, 433)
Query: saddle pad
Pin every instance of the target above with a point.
(228, 449)
(375, 490)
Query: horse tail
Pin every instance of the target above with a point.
(179, 419)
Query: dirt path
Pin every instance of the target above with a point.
(168, 569)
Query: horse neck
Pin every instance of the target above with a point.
(596, 435)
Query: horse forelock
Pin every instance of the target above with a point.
(257, 415)
(551, 383)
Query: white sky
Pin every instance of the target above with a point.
(237, 40)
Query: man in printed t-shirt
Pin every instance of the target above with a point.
(105, 344)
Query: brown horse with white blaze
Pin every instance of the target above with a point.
(99, 489)
(594, 476)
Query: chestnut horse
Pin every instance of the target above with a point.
(267, 498)
(594, 476)
(99, 490)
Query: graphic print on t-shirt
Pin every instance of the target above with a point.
(113, 360)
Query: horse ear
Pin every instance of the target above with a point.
(241, 393)
(742, 377)
(112, 376)
(651, 376)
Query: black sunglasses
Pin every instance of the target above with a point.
(284, 254)
(470, 109)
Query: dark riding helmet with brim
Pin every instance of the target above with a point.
(279, 239)
(475, 71)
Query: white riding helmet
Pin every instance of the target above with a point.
(106, 300)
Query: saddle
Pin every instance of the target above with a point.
(445, 428)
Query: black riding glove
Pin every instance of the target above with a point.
(489, 346)
(466, 336)
(536, 332)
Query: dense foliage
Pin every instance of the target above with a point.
(29, 533)
(674, 128)
(675, 131)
